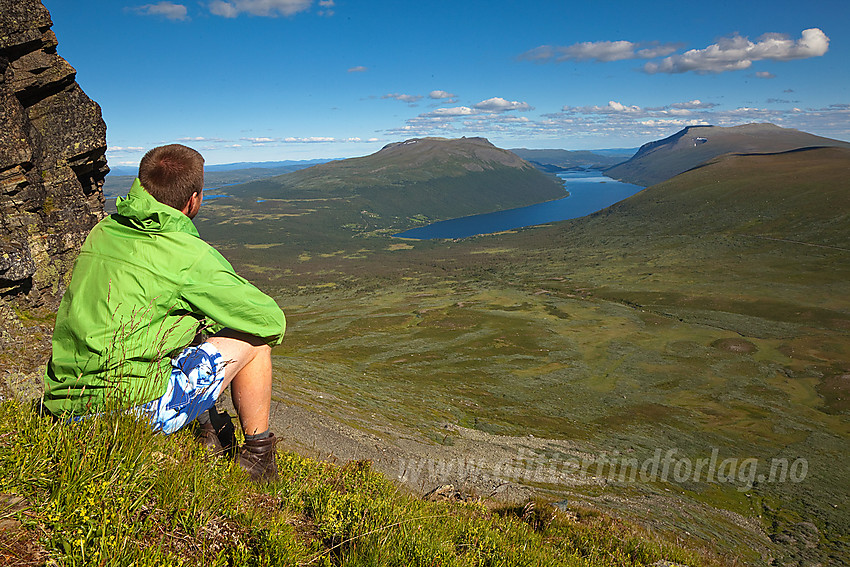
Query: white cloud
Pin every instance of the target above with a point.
(125, 148)
(448, 112)
(310, 139)
(326, 8)
(669, 122)
(200, 139)
(261, 142)
(765, 75)
(737, 52)
(613, 107)
(223, 9)
(540, 53)
(619, 107)
(778, 47)
(780, 101)
(496, 121)
(410, 99)
(168, 10)
(498, 104)
(692, 104)
(358, 69)
(600, 51)
(657, 50)
(438, 95)
(266, 8)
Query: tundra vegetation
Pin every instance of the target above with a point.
(707, 313)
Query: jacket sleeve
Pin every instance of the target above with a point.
(215, 290)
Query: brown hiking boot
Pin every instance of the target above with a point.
(217, 435)
(258, 459)
(208, 438)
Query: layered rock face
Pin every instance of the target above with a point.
(52, 162)
(52, 165)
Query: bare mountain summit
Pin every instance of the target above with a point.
(660, 160)
(439, 178)
(478, 153)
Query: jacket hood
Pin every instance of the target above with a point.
(145, 213)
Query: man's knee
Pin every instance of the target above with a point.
(261, 350)
(237, 353)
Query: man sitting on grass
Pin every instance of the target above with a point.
(143, 287)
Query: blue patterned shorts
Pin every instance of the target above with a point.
(197, 377)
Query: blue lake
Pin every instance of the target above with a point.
(589, 191)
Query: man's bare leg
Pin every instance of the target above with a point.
(248, 370)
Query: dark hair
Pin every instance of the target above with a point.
(172, 173)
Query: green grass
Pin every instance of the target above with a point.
(108, 492)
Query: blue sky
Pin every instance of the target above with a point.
(267, 80)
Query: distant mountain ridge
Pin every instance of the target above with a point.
(125, 170)
(662, 159)
(117, 183)
(554, 160)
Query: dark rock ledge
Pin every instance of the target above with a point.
(52, 165)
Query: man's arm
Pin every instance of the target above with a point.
(216, 291)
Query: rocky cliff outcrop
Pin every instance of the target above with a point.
(52, 165)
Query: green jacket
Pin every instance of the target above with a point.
(143, 285)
